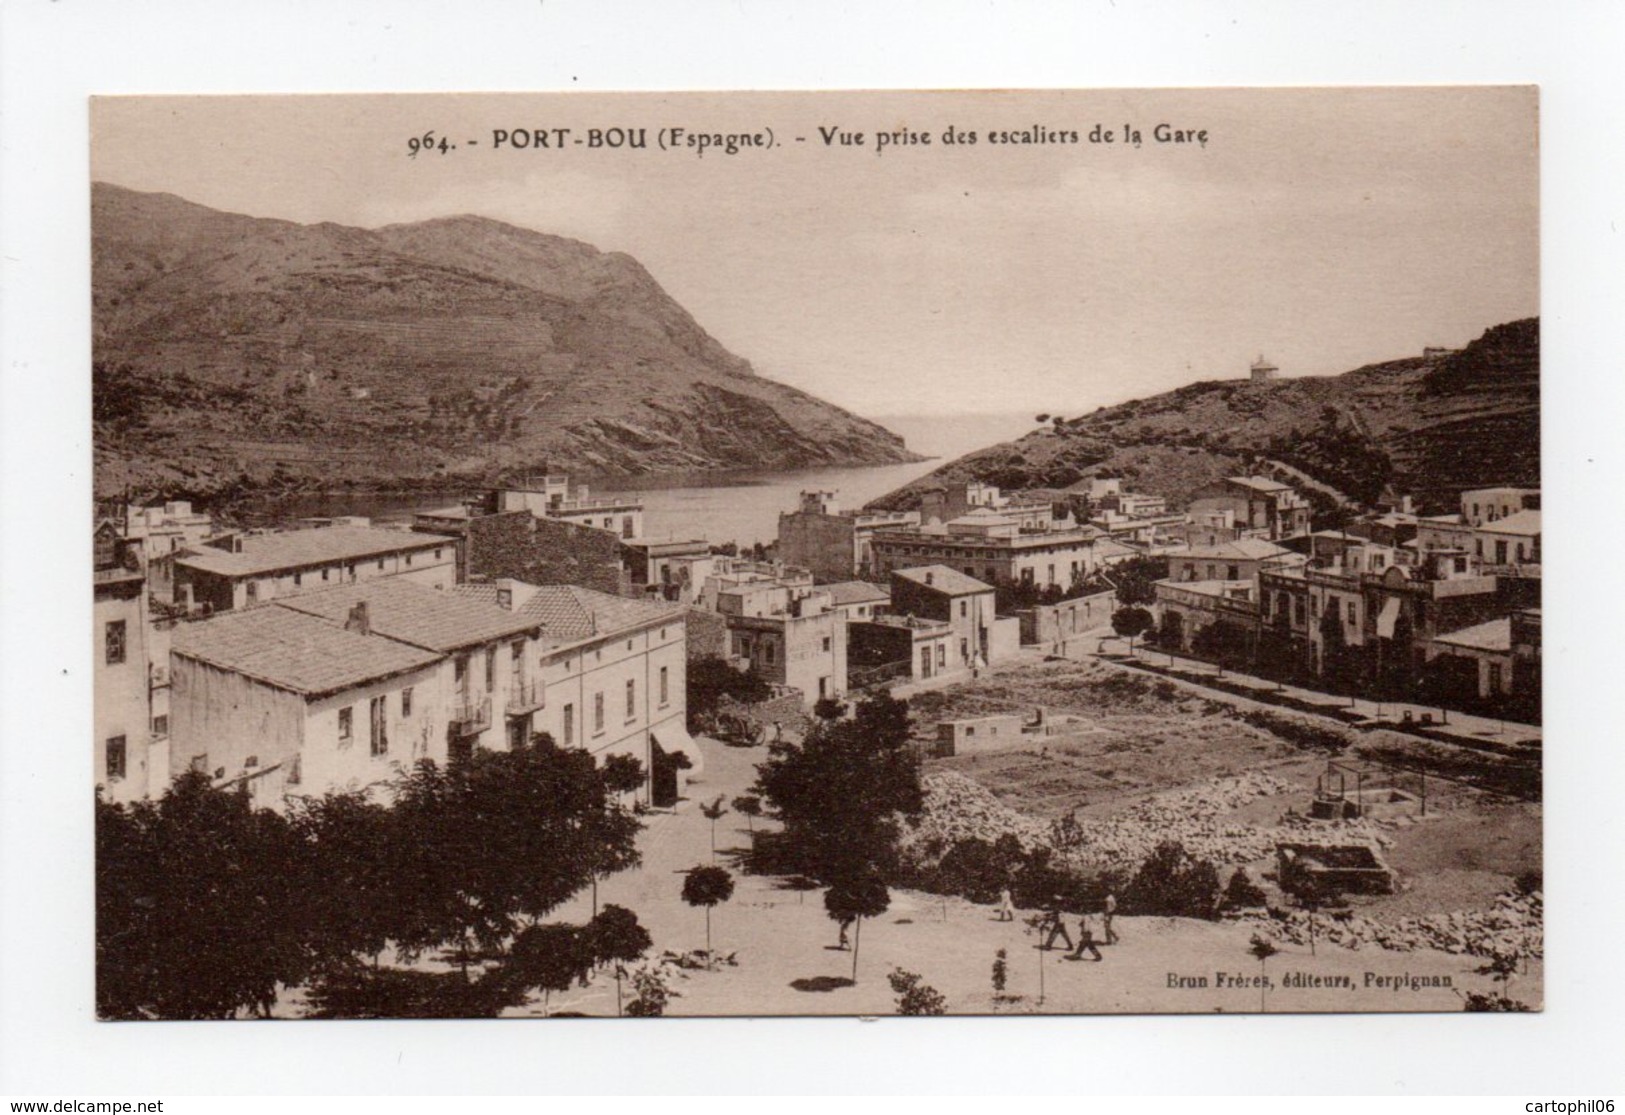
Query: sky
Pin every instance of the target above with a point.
(1323, 228)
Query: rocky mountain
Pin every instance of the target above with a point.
(1428, 425)
(236, 354)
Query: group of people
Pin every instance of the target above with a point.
(1053, 926)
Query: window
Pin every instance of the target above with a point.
(253, 591)
(768, 651)
(569, 724)
(378, 731)
(942, 654)
(460, 673)
(160, 725)
(298, 579)
(409, 559)
(490, 668)
(597, 712)
(437, 553)
(517, 664)
(823, 688)
(115, 642)
(346, 726)
(406, 703)
(380, 563)
(1232, 573)
(826, 644)
(325, 574)
(629, 644)
(1353, 618)
(626, 526)
(631, 700)
(665, 687)
(295, 771)
(964, 652)
(116, 758)
(964, 608)
(518, 733)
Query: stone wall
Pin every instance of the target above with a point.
(544, 552)
(707, 635)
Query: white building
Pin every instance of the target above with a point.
(248, 569)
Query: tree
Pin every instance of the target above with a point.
(1333, 646)
(550, 957)
(711, 679)
(503, 838)
(714, 813)
(1132, 622)
(1315, 895)
(751, 807)
(863, 895)
(1263, 948)
(839, 791)
(1502, 966)
(1136, 579)
(351, 871)
(829, 708)
(914, 996)
(198, 914)
(707, 886)
(617, 939)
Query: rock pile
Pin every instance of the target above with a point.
(958, 808)
(1512, 926)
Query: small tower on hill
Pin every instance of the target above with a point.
(1263, 371)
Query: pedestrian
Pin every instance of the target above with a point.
(1086, 941)
(846, 923)
(1108, 913)
(1057, 926)
(1007, 906)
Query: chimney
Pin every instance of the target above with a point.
(359, 622)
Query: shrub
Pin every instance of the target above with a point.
(1001, 972)
(915, 996)
(1243, 893)
(1173, 883)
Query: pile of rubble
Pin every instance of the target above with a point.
(1511, 927)
(958, 808)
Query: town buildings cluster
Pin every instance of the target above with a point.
(332, 653)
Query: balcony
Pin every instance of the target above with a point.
(470, 717)
(526, 697)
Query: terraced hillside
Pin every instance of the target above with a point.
(234, 353)
(1431, 427)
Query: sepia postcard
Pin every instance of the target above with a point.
(863, 553)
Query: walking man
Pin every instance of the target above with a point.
(1057, 926)
(1110, 911)
(1086, 941)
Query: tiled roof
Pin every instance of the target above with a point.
(855, 592)
(1259, 483)
(567, 613)
(948, 581)
(570, 612)
(1491, 636)
(1242, 549)
(292, 650)
(292, 549)
(417, 614)
(1519, 522)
